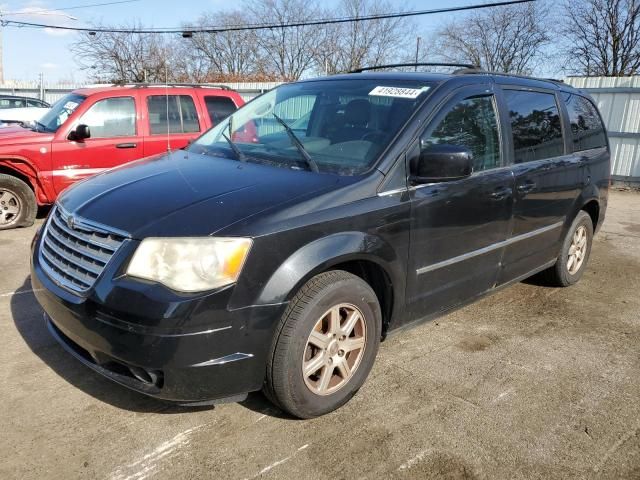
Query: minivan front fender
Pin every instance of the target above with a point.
(326, 252)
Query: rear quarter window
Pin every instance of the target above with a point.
(587, 130)
(219, 108)
(535, 125)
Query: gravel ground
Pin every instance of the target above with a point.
(531, 382)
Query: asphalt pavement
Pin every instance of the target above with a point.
(532, 382)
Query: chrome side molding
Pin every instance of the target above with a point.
(487, 249)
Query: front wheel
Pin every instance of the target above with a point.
(17, 203)
(325, 345)
(573, 258)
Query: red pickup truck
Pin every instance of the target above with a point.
(93, 129)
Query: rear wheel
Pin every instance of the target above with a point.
(573, 258)
(17, 203)
(325, 345)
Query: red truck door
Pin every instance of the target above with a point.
(172, 120)
(115, 139)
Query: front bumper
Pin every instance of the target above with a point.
(189, 349)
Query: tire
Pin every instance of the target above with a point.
(17, 203)
(342, 367)
(565, 273)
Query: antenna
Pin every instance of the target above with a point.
(166, 96)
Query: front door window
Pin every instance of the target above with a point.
(111, 117)
(470, 123)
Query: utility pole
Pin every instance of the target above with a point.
(1, 52)
(41, 81)
(417, 52)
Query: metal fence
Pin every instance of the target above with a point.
(618, 99)
(33, 89)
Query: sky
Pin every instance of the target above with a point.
(29, 52)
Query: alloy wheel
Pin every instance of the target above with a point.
(334, 349)
(10, 207)
(577, 250)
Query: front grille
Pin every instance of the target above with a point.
(74, 252)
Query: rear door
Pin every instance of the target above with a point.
(588, 142)
(547, 179)
(458, 228)
(171, 120)
(114, 141)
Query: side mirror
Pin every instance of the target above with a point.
(441, 163)
(80, 133)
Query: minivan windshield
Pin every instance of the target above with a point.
(339, 126)
(59, 112)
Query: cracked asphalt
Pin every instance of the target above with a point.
(531, 382)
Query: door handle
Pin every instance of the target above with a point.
(126, 145)
(501, 193)
(526, 187)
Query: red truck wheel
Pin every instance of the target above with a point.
(17, 203)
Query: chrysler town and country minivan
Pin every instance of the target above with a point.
(366, 202)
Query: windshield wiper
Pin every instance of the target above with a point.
(313, 166)
(239, 155)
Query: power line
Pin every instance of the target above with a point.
(264, 26)
(104, 4)
(328, 21)
(36, 11)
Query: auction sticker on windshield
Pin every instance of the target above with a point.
(398, 92)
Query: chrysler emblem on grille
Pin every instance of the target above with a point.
(71, 221)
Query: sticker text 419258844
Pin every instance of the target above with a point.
(399, 92)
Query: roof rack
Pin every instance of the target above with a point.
(193, 85)
(465, 66)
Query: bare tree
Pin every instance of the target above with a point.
(189, 64)
(347, 46)
(286, 52)
(230, 54)
(505, 39)
(603, 37)
(124, 57)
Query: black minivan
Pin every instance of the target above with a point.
(277, 250)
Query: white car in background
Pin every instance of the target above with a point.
(21, 110)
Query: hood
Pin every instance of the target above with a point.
(20, 135)
(22, 114)
(187, 194)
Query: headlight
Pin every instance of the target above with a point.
(190, 264)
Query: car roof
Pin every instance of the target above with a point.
(433, 77)
(20, 97)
